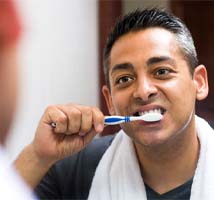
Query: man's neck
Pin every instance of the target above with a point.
(167, 166)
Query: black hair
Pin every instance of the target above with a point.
(150, 18)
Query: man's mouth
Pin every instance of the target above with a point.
(155, 110)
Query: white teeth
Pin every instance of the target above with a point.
(158, 110)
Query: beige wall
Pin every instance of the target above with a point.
(58, 61)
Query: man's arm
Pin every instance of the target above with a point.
(76, 126)
(30, 167)
(71, 177)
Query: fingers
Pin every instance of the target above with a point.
(56, 116)
(98, 118)
(75, 119)
(86, 120)
(98, 121)
(92, 118)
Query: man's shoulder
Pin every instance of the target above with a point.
(92, 152)
(98, 145)
(78, 170)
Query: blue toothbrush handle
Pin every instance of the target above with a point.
(113, 120)
(109, 120)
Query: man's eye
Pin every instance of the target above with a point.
(162, 72)
(124, 79)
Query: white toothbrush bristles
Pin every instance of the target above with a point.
(152, 117)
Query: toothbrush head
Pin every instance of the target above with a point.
(152, 117)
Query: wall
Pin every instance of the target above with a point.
(129, 5)
(58, 61)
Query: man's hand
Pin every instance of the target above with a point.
(76, 126)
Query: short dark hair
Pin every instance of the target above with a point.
(150, 18)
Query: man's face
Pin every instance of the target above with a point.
(147, 71)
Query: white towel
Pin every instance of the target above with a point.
(118, 176)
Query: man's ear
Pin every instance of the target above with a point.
(201, 82)
(107, 94)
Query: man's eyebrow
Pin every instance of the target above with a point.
(150, 61)
(158, 59)
(121, 67)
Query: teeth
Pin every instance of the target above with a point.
(150, 111)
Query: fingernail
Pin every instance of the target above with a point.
(99, 128)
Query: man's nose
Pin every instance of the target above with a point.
(145, 89)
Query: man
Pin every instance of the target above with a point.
(12, 187)
(150, 65)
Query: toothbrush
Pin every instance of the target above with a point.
(147, 117)
(113, 120)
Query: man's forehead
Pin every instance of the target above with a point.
(154, 41)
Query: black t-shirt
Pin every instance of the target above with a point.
(71, 178)
(182, 192)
